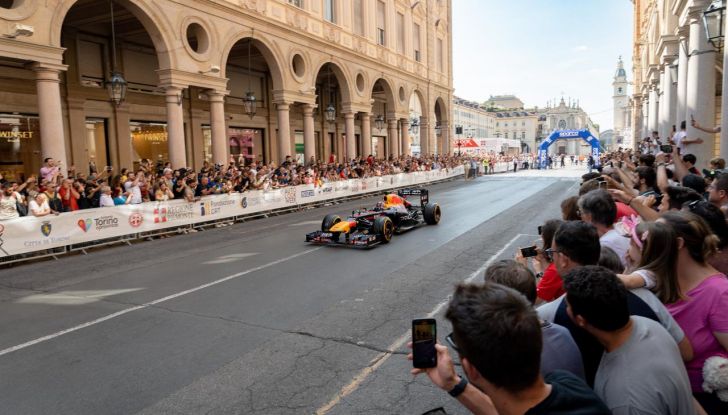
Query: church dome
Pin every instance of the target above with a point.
(620, 69)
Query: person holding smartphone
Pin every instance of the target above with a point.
(550, 286)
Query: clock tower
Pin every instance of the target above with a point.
(620, 98)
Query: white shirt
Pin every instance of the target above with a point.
(136, 192)
(106, 201)
(36, 209)
(678, 139)
(617, 242)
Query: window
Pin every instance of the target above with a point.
(400, 32)
(506, 134)
(523, 135)
(439, 55)
(381, 26)
(358, 16)
(329, 12)
(416, 42)
(297, 3)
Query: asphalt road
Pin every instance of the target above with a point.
(248, 319)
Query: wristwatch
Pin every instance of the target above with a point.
(459, 388)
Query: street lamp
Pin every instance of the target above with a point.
(379, 122)
(117, 84)
(438, 128)
(674, 73)
(713, 19)
(415, 125)
(249, 102)
(330, 112)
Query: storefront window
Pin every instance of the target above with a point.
(206, 143)
(20, 154)
(246, 142)
(149, 141)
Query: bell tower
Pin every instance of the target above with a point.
(620, 98)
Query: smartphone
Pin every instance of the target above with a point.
(666, 148)
(529, 252)
(424, 337)
(540, 229)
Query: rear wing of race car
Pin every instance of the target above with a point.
(424, 194)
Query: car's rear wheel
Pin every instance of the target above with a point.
(432, 213)
(384, 227)
(329, 221)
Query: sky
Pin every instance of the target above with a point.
(539, 49)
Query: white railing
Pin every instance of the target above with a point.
(57, 234)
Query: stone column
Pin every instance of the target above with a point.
(309, 141)
(217, 127)
(50, 112)
(445, 138)
(175, 127)
(350, 141)
(393, 137)
(406, 149)
(654, 110)
(662, 114)
(81, 148)
(366, 134)
(724, 106)
(701, 89)
(424, 136)
(682, 79)
(284, 130)
(669, 103)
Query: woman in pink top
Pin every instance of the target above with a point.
(700, 305)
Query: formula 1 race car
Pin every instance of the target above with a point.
(369, 227)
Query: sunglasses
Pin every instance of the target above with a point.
(451, 343)
(693, 205)
(549, 253)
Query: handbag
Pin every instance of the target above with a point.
(21, 208)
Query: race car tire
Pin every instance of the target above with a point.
(329, 221)
(384, 227)
(432, 213)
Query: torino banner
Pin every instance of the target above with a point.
(29, 234)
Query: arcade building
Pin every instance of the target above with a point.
(110, 82)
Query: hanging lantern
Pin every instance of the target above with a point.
(438, 128)
(250, 104)
(713, 19)
(379, 122)
(330, 113)
(415, 125)
(117, 85)
(117, 88)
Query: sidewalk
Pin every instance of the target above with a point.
(566, 172)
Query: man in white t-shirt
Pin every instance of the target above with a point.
(598, 208)
(683, 143)
(132, 185)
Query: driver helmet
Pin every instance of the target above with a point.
(392, 199)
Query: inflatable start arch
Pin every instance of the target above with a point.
(565, 135)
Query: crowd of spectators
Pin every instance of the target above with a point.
(630, 294)
(53, 192)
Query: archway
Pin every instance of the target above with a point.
(332, 91)
(251, 68)
(385, 135)
(83, 28)
(586, 135)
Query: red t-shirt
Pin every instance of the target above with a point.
(624, 210)
(550, 287)
(71, 204)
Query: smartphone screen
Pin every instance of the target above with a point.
(529, 252)
(666, 148)
(424, 336)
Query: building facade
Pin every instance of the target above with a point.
(474, 119)
(677, 73)
(190, 66)
(621, 133)
(565, 116)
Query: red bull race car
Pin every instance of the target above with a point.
(369, 227)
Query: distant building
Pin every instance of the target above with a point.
(566, 116)
(622, 124)
(504, 102)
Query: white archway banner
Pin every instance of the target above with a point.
(31, 234)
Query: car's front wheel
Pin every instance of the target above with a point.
(384, 227)
(329, 221)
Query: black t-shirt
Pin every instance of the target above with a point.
(569, 395)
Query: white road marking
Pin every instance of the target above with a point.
(226, 259)
(73, 297)
(152, 303)
(307, 223)
(382, 357)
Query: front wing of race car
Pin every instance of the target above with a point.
(354, 239)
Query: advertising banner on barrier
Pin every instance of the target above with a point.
(30, 234)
